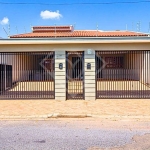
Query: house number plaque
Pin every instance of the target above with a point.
(89, 66)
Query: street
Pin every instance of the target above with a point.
(74, 134)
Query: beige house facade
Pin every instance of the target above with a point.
(83, 67)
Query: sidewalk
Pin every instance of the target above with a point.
(36, 109)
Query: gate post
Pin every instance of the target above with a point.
(60, 75)
(89, 79)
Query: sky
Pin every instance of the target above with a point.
(19, 18)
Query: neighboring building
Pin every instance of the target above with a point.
(58, 62)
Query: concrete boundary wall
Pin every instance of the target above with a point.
(89, 78)
(60, 76)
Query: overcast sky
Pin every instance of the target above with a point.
(115, 16)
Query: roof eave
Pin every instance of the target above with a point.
(75, 40)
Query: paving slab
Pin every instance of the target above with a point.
(106, 108)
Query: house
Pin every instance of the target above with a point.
(59, 62)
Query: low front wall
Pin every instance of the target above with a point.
(120, 74)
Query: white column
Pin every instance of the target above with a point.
(146, 67)
(90, 87)
(60, 76)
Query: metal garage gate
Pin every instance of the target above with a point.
(74, 75)
(27, 75)
(122, 74)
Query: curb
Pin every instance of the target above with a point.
(57, 115)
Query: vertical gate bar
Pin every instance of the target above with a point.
(42, 69)
(1, 77)
(76, 76)
(144, 72)
(123, 71)
(20, 68)
(19, 72)
(83, 79)
(147, 75)
(129, 80)
(6, 78)
(126, 74)
(53, 79)
(134, 75)
(22, 74)
(30, 66)
(2, 87)
(125, 65)
(38, 69)
(139, 73)
(100, 82)
(4, 74)
(47, 71)
(16, 75)
(65, 73)
(15, 86)
(33, 79)
(49, 76)
(39, 74)
(147, 78)
(25, 73)
(79, 78)
(118, 77)
(145, 81)
(46, 78)
(96, 54)
(77, 72)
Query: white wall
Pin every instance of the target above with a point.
(145, 76)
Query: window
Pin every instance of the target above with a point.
(114, 62)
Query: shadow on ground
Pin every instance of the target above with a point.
(138, 143)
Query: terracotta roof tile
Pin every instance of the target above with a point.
(67, 31)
